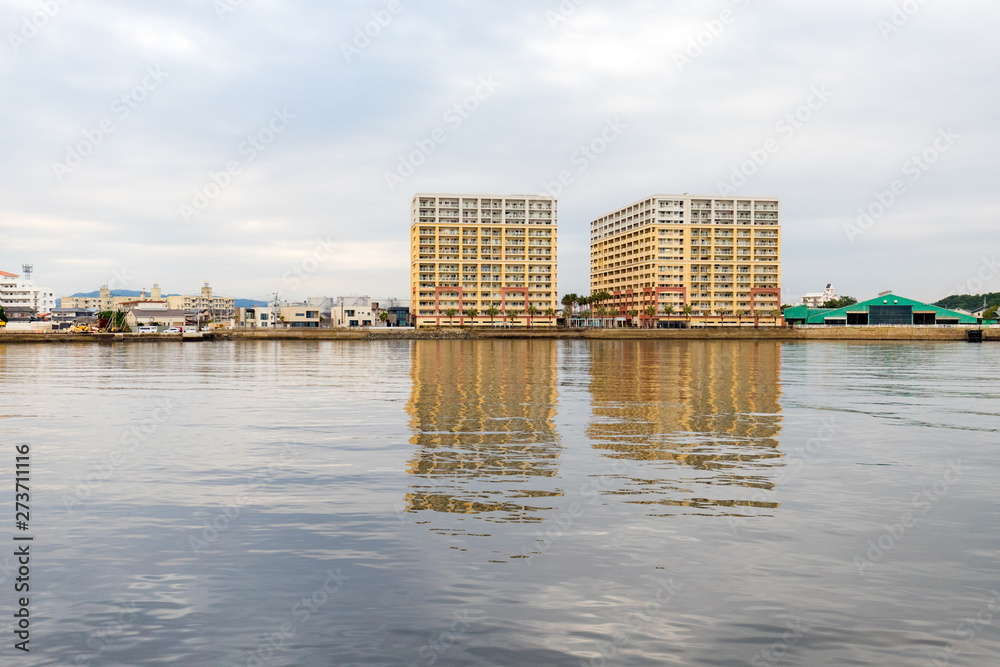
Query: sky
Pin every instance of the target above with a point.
(274, 146)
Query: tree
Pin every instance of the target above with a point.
(739, 315)
(687, 310)
(532, 311)
(511, 314)
(668, 309)
(840, 302)
(633, 314)
(650, 311)
(472, 313)
(989, 314)
(492, 311)
(568, 301)
(550, 313)
(3, 314)
(451, 313)
(384, 316)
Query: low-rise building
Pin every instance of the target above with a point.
(162, 317)
(294, 316)
(65, 317)
(887, 309)
(21, 314)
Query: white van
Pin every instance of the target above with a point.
(143, 330)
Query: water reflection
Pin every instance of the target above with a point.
(696, 421)
(482, 414)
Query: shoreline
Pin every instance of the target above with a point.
(954, 334)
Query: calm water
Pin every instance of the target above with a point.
(507, 503)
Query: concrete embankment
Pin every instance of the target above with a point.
(727, 333)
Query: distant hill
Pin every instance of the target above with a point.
(969, 302)
(240, 303)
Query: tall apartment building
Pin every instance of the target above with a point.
(478, 251)
(719, 255)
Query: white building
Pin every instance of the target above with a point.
(817, 299)
(354, 311)
(17, 292)
(282, 316)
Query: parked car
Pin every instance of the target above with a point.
(172, 330)
(144, 330)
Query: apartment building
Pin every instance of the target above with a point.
(18, 292)
(220, 307)
(481, 251)
(719, 255)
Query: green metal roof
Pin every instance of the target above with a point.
(820, 315)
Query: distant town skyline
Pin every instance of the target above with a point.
(274, 148)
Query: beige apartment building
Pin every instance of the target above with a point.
(721, 255)
(221, 308)
(482, 251)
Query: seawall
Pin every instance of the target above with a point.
(733, 333)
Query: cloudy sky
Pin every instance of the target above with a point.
(270, 145)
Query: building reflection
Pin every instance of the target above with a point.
(694, 423)
(482, 416)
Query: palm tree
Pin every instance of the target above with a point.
(632, 315)
(687, 310)
(650, 314)
(451, 312)
(739, 316)
(384, 316)
(568, 301)
(532, 311)
(471, 313)
(492, 311)
(511, 314)
(550, 313)
(602, 312)
(668, 309)
(585, 315)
